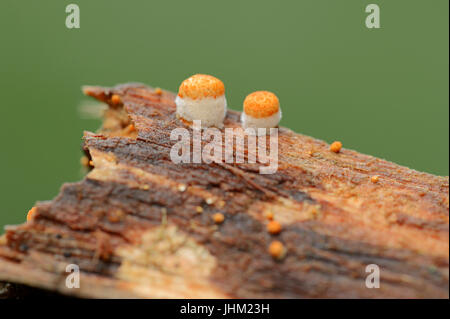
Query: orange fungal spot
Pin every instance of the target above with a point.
(218, 218)
(261, 104)
(269, 215)
(274, 227)
(277, 249)
(115, 99)
(30, 214)
(201, 86)
(336, 147)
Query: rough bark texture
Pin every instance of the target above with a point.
(133, 226)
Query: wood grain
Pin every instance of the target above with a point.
(134, 228)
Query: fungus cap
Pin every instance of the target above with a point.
(201, 86)
(261, 104)
(202, 97)
(277, 249)
(261, 110)
(336, 146)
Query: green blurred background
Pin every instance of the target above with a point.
(381, 91)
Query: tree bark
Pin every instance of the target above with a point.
(140, 226)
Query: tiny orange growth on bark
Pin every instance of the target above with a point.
(84, 161)
(336, 147)
(158, 91)
(30, 214)
(277, 250)
(218, 218)
(116, 99)
(274, 227)
(199, 209)
(116, 216)
(374, 178)
(269, 215)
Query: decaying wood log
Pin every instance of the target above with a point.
(139, 225)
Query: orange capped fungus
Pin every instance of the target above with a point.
(274, 227)
(115, 99)
(218, 218)
(261, 110)
(277, 249)
(336, 146)
(202, 97)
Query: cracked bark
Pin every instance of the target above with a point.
(134, 232)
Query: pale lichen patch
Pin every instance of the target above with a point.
(168, 257)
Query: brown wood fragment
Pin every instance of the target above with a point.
(139, 225)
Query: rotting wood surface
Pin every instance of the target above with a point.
(140, 226)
